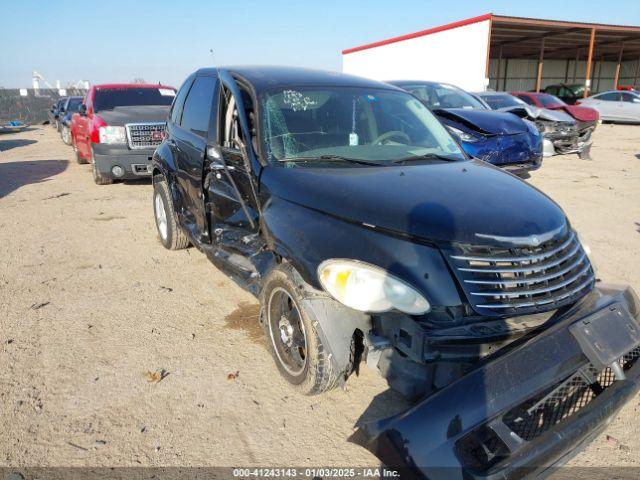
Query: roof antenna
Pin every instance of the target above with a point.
(213, 59)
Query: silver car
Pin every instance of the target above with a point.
(615, 106)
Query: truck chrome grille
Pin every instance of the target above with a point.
(518, 280)
(144, 135)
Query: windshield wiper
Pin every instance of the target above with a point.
(426, 156)
(331, 158)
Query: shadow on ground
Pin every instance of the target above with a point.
(18, 142)
(14, 175)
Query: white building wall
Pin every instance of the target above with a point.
(456, 56)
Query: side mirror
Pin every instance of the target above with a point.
(83, 110)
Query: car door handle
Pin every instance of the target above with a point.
(218, 166)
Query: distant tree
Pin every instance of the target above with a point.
(138, 80)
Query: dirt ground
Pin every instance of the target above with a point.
(92, 307)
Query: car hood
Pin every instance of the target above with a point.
(582, 114)
(120, 116)
(450, 201)
(534, 113)
(484, 121)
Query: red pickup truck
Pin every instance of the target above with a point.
(118, 128)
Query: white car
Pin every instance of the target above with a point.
(615, 106)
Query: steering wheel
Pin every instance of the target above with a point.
(391, 134)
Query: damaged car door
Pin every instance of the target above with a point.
(229, 183)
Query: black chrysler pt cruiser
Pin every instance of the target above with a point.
(368, 235)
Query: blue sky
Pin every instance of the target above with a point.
(165, 40)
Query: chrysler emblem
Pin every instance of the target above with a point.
(535, 241)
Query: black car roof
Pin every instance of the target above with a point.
(417, 82)
(266, 77)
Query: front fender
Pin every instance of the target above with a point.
(306, 237)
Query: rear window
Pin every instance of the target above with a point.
(549, 100)
(74, 104)
(108, 99)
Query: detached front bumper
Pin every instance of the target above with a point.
(523, 412)
(133, 163)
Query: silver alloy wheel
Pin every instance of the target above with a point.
(286, 330)
(161, 216)
(65, 135)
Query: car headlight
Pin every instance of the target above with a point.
(368, 288)
(464, 136)
(111, 134)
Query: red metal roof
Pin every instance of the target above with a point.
(421, 33)
(506, 21)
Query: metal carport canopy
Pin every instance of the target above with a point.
(522, 38)
(517, 37)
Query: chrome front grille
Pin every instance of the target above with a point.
(144, 135)
(518, 280)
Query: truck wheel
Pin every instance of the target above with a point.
(97, 176)
(292, 332)
(170, 233)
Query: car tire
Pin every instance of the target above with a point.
(98, 177)
(65, 135)
(170, 233)
(293, 333)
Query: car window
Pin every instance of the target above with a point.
(110, 98)
(365, 124)
(526, 99)
(196, 113)
(441, 95)
(231, 131)
(74, 104)
(178, 102)
(629, 97)
(553, 90)
(609, 97)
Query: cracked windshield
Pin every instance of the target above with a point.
(371, 127)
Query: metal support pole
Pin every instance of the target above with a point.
(540, 66)
(598, 76)
(506, 71)
(617, 76)
(587, 81)
(499, 74)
